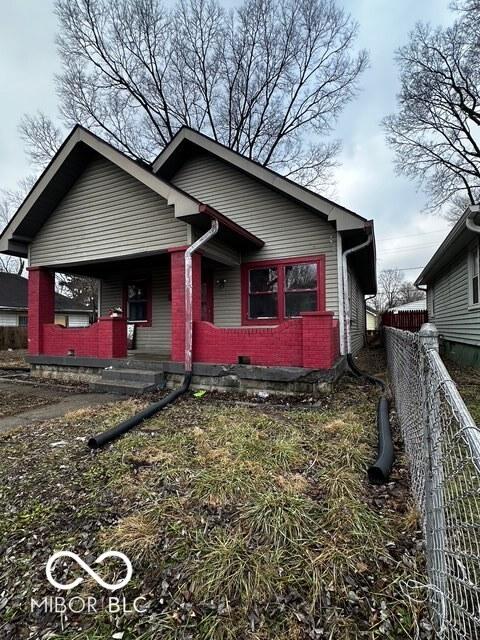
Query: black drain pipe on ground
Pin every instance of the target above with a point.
(98, 441)
(379, 471)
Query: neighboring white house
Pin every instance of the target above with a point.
(372, 319)
(418, 305)
(14, 305)
(453, 289)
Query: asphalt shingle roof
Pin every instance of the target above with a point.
(14, 295)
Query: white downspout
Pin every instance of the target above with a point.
(189, 291)
(341, 307)
(346, 299)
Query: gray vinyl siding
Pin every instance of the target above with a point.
(8, 318)
(430, 295)
(106, 214)
(357, 313)
(227, 300)
(452, 316)
(78, 320)
(154, 339)
(287, 228)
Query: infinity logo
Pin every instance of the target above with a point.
(87, 569)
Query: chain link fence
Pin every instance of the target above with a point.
(442, 443)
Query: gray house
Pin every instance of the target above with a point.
(281, 284)
(453, 289)
(14, 305)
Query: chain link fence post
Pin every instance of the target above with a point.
(434, 521)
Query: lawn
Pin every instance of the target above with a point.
(467, 380)
(241, 520)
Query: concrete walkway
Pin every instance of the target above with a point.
(62, 402)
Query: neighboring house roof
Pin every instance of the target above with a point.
(371, 311)
(457, 240)
(67, 165)
(14, 296)
(418, 305)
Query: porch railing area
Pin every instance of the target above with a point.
(106, 338)
(311, 341)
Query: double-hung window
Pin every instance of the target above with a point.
(474, 273)
(282, 289)
(138, 301)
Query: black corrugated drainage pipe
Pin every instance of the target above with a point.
(379, 471)
(95, 442)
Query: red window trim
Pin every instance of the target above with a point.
(280, 263)
(148, 280)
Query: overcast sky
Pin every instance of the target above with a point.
(366, 181)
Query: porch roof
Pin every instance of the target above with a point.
(79, 148)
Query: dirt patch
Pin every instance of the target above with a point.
(13, 359)
(12, 402)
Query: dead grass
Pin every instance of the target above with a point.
(248, 523)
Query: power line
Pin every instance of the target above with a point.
(413, 235)
(411, 247)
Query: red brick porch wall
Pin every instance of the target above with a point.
(310, 341)
(107, 338)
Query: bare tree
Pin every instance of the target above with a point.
(389, 287)
(80, 288)
(268, 79)
(436, 131)
(408, 292)
(10, 200)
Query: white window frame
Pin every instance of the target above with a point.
(473, 256)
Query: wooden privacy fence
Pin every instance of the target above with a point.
(13, 338)
(406, 320)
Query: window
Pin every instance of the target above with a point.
(263, 296)
(138, 301)
(282, 289)
(22, 321)
(301, 288)
(474, 274)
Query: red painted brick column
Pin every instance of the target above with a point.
(177, 284)
(41, 306)
(319, 350)
(112, 337)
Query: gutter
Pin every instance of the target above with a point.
(466, 221)
(470, 221)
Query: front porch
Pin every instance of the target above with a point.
(155, 306)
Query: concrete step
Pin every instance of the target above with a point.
(135, 375)
(123, 387)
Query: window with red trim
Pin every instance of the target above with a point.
(282, 289)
